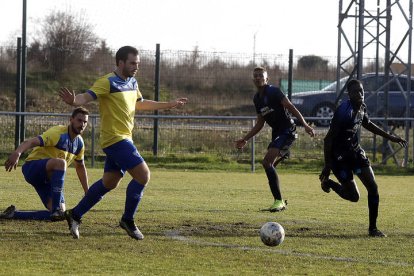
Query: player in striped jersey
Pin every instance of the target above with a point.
(118, 96)
(46, 166)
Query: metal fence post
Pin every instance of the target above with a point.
(253, 149)
(290, 74)
(93, 142)
(17, 132)
(156, 97)
(24, 73)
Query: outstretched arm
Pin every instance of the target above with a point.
(327, 151)
(154, 105)
(82, 174)
(257, 127)
(328, 144)
(13, 160)
(72, 99)
(378, 131)
(295, 112)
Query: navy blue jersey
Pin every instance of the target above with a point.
(345, 124)
(270, 107)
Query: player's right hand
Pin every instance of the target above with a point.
(12, 161)
(402, 142)
(67, 95)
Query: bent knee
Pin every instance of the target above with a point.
(351, 195)
(57, 164)
(354, 197)
(266, 163)
(144, 178)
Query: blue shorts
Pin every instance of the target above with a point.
(122, 156)
(344, 165)
(35, 174)
(283, 140)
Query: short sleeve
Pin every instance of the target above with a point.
(335, 126)
(365, 119)
(81, 154)
(50, 138)
(140, 98)
(99, 88)
(279, 96)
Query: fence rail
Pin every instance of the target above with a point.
(195, 135)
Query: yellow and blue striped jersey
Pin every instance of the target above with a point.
(117, 98)
(56, 143)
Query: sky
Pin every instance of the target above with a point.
(234, 26)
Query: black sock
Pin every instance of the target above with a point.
(373, 203)
(273, 182)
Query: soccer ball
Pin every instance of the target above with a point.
(272, 233)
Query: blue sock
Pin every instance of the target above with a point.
(32, 215)
(57, 180)
(134, 194)
(93, 196)
(273, 182)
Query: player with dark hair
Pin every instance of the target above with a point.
(118, 96)
(46, 166)
(273, 108)
(344, 155)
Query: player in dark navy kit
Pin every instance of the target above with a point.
(344, 155)
(274, 108)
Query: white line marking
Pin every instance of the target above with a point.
(175, 235)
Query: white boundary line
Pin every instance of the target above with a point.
(175, 235)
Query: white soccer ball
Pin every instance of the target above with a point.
(272, 233)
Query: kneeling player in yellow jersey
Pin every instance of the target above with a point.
(46, 165)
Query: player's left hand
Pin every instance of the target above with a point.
(402, 142)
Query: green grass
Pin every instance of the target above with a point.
(207, 223)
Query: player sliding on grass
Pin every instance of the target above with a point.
(273, 107)
(46, 165)
(344, 155)
(118, 97)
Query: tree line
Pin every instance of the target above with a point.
(67, 51)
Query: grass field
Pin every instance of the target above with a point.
(207, 223)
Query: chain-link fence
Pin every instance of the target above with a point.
(217, 84)
(189, 135)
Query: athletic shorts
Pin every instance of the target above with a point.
(35, 174)
(346, 164)
(283, 140)
(122, 156)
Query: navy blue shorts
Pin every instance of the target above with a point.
(122, 156)
(35, 174)
(283, 140)
(346, 164)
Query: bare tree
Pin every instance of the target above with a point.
(101, 60)
(68, 39)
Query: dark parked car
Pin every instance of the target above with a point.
(322, 103)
